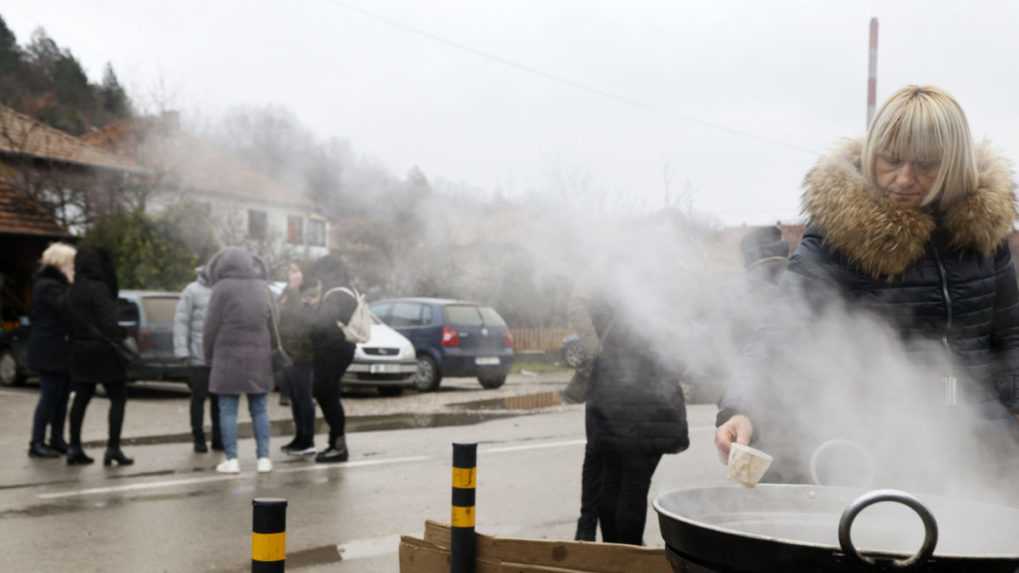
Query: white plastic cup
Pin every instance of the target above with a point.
(747, 465)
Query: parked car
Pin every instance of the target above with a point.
(451, 339)
(13, 351)
(148, 318)
(387, 361)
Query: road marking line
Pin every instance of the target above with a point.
(310, 468)
(217, 478)
(533, 447)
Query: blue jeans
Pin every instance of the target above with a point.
(228, 406)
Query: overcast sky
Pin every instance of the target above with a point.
(640, 84)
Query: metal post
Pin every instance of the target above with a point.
(872, 72)
(269, 536)
(463, 544)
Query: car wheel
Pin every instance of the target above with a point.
(573, 354)
(428, 376)
(492, 382)
(9, 375)
(390, 391)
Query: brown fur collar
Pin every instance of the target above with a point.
(882, 239)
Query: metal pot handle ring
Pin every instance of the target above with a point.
(930, 525)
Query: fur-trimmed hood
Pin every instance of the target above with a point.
(884, 239)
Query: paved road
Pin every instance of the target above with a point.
(171, 512)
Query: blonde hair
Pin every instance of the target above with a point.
(925, 123)
(59, 255)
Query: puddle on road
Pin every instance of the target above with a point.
(79, 505)
(524, 403)
(462, 414)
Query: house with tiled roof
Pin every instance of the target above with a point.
(246, 205)
(38, 165)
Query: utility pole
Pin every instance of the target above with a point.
(872, 72)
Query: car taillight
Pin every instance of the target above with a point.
(450, 337)
(507, 339)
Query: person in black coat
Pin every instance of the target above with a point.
(48, 346)
(635, 413)
(910, 226)
(332, 355)
(94, 360)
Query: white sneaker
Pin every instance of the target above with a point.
(264, 465)
(231, 466)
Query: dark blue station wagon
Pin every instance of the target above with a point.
(452, 339)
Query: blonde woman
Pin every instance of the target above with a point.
(48, 348)
(911, 224)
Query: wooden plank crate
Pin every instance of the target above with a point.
(507, 555)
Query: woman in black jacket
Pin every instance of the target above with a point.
(48, 348)
(94, 332)
(333, 354)
(635, 413)
(911, 225)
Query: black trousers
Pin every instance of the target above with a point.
(199, 382)
(622, 507)
(300, 385)
(116, 392)
(327, 394)
(54, 394)
(590, 493)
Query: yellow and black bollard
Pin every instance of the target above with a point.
(269, 536)
(463, 548)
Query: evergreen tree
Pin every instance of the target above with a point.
(112, 96)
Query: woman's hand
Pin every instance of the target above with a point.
(737, 429)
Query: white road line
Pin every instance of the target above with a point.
(217, 478)
(533, 447)
(309, 468)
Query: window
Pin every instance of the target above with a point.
(426, 315)
(463, 316)
(127, 312)
(316, 233)
(491, 317)
(258, 224)
(381, 310)
(159, 309)
(405, 314)
(295, 230)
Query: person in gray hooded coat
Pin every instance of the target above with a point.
(238, 347)
(188, 327)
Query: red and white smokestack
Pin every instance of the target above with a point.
(872, 72)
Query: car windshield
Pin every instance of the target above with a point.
(463, 315)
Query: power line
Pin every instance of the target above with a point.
(562, 80)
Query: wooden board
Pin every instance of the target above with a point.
(554, 556)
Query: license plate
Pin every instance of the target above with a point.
(487, 361)
(384, 369)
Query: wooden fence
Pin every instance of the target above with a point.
(539, 339)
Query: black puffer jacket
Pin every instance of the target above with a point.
(93, 300)
(634, 403)
(333, 353)
(945, 277)
(49, 342)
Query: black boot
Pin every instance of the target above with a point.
(115, 455)
(336, 453)
(77, 457)
(58, 446)
(200, 447)
(36, 450)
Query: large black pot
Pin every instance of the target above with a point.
(807, 528)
